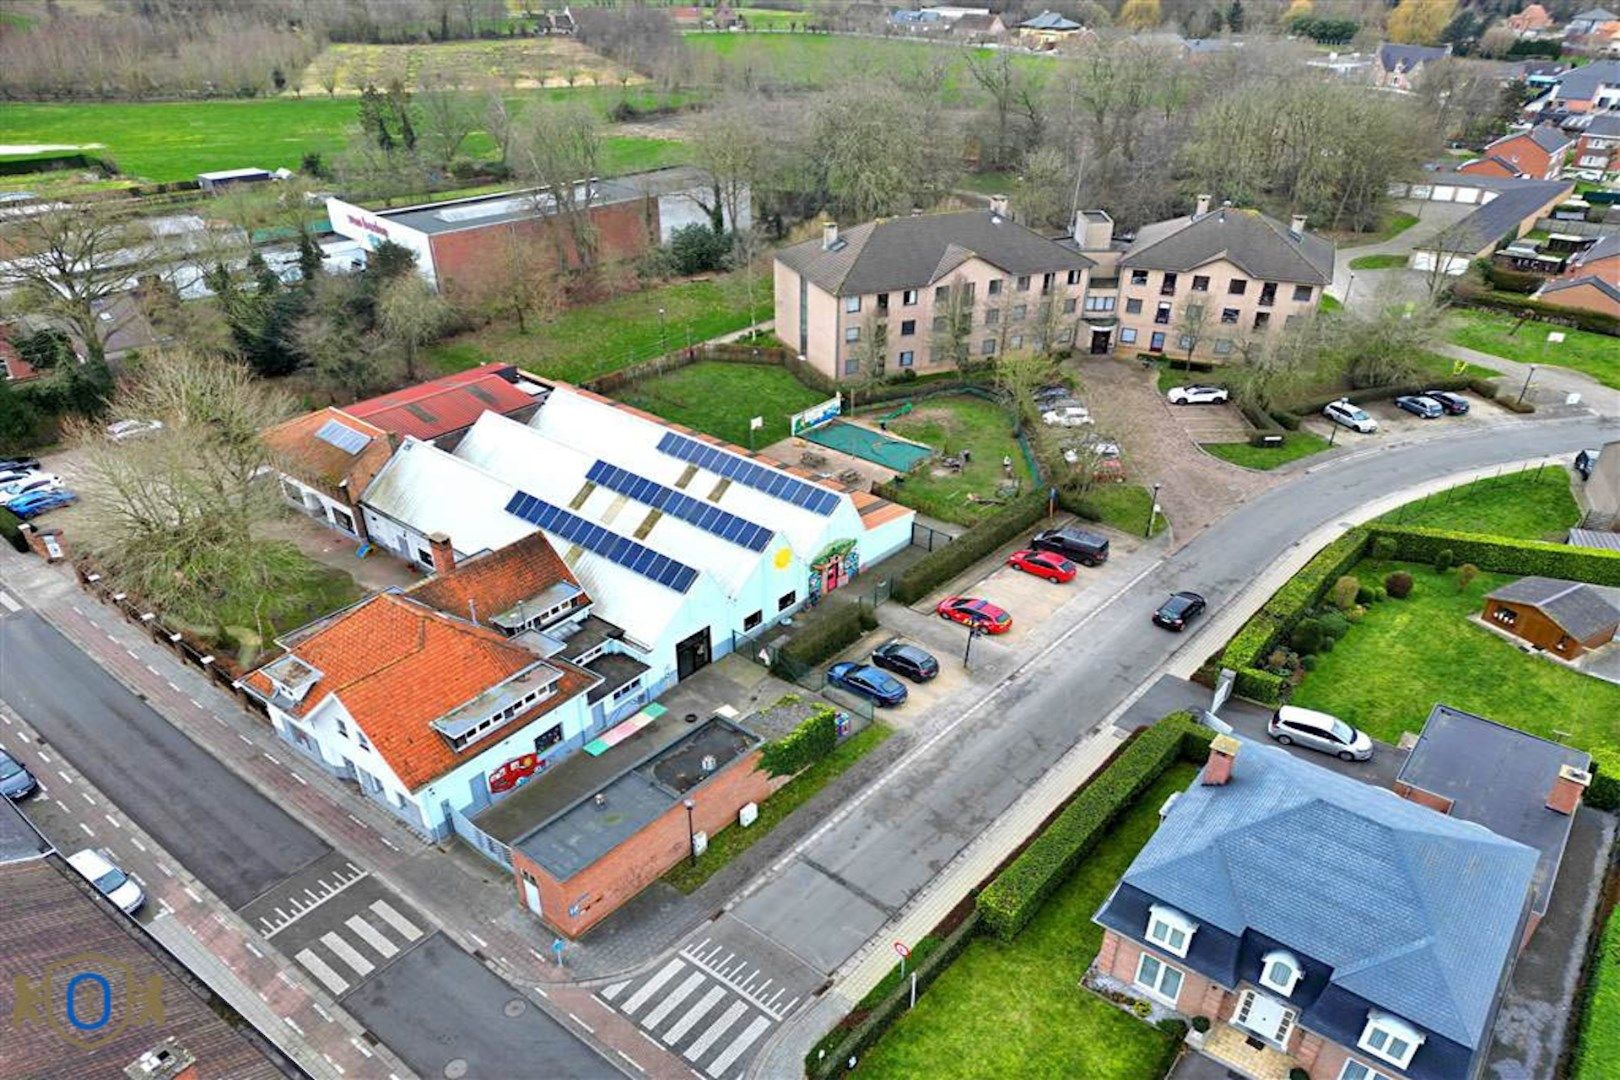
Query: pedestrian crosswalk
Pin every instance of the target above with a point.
(707, 1004)
(337, 959)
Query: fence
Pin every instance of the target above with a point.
(1574, 228)
(479, 840)
(927, 537)
(767, 355)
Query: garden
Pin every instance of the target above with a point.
(951, 424)
(1598, 1053)
(1501, 334)
(719, 398)
(1534, 504)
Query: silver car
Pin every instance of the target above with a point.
(1319, 731)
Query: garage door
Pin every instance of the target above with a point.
(1468, 195)
(1444, 193)
(1422, 191)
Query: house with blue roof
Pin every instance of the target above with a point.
(1324, 924)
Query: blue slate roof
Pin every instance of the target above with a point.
(1407, 909)
(1048, 20)
(1406, 57)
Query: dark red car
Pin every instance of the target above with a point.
(971, 611)
(1046, 564)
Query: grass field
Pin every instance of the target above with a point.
(588, 341)
(1378, 262)
(948, 424)
(1598, 1056)
(1529, 505)
(719, 398)
(1405, 655)
(728, 843)
(1296, 444)
(1125, 507)
(1017, 1009)
(520, 63)
(175, 140)
(1598, 355)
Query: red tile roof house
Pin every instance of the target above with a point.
(441, 410)
(1327, 925)
(1537, 154)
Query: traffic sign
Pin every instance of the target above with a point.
(900, 947)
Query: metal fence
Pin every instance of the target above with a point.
(1574, 228)
(927, 537)
(479, 840)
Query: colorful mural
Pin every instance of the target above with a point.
(835, 566)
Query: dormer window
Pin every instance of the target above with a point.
(291, 678)
(1279, 971)
(1392, 1039)
(1170, 929)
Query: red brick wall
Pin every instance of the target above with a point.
(625, 230)
(1199, 996)
(1423, 798)
(623, 872)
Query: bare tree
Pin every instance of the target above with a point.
(871, 355)
(1051, 328)
(411, 314)
(520, 282)
(1192, 326)
(328, 71)
(447, 117)
(953, 327)
(1043, 196)
(729, 144)
(558, 149)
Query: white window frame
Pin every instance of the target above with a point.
(1363, 1071)
(1155, 987)
(1278, 957)
(852, 304)
(1173, 922)
(1390, 1028)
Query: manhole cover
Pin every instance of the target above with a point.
(456, 1069)
(515, 1007)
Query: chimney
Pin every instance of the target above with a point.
(998, 206)
(444, 556)
(168, 1060)
(1203, 206)
(1567, 790)
(829, 235)
(1296, 226)
(1223, 751)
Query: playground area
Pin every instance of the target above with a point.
(857, 440)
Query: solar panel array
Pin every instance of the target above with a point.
(343, 437)
(773, 482)
(610, 545)
(706, 516)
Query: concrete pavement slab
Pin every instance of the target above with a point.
(821, 919)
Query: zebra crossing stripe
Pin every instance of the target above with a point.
(716, 1029)
(317, 967)
(738, 1045)
(672, 999)
(393, 918)
(368, 934)
(650, 987)
(693, 1015)
(347, 953)
(611, 992)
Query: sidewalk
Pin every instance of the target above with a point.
(1548, 387)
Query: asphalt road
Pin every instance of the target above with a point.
(236, 841)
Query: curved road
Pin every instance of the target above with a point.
(844, 882)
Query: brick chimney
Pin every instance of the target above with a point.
(444, 556)
(1568, 789)
(1203, 205)
(168, 1060)
(829, 235)
(1296, 226)
(1223, 750)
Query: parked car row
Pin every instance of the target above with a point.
(1432, 404)
(872, 682)
(29, 491)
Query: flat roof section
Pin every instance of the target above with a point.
(506, 206)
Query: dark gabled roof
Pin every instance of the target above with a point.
(1578, 609)
(1611, 291)
(1607, 247)
(1262, 246)
(1405, 57)
(1604, 124)
(1580, 84)
(1549, 137)
(913, 252)
(1515, 200)
(1499, 777)
(1596, 15)
(1048, 20)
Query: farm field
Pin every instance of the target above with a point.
(519, 63)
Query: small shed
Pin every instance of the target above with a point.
(224, 178)
(1566, 618)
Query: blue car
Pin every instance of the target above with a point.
(868, 682)
(1418, 405)
(36, 503)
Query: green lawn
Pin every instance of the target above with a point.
(767, 18)
(1598, 355)
(1296, 444)
(1017, 1009)
(720, 398)
(1125, 507)
(1405, 655)
(1529, 505)
(732, 841)
(1598, 1057)
(1330, 303)
(948, 424)
(1377, 262)
(588, 341)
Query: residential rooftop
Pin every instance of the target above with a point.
(1260, 245)
(1579, 609)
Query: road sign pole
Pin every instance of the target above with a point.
(913, 1004)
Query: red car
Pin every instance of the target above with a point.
(970, 611)
(1046, 564)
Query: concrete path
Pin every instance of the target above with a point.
(1550, 386)
(1366, 286)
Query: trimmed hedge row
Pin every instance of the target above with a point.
(1385, 393)
(818, 634)
(1595, 321)
(1504, 556)
(1604, 794)
(1014, 896)
(11, 530)
(812, 740)
(937, 567)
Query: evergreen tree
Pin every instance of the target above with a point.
(309, 258)
(1235, 17)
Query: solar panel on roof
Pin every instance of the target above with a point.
(610, 545)
(706, 516)
(773, 482)
(344, 438)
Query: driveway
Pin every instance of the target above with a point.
(1375, 286)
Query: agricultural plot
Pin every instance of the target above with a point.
(513, 63)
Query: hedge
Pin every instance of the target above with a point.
(1015, 894)
(937, 567)
(1604, 793)
(812, 740)
(11, 530)
(1384, 393)
(1595, 321)
(820, 633)
(1513, 281)
(1501, 555)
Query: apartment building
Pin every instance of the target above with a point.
(976, 277)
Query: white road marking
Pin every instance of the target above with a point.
(482, 944)
(716, 1029)
(112, 821)
(360, 1046)
(8, 603)
(7, 719)
(250, 947)
(322, 1013)
(633, 1063)
(64, 776)
(166, 871)
(582, 1023)
(650, 987)
(271, 927)
(729, 978)
(46, 758)
(672, 999)
(189, 891)
(298, 778)
(389, 842)
(741, 1043)
(608, 992)
(137, 842)
(195, 702)
(271, 756)
(86, 829)
(293, 1024)
(368, 934)
(395, 919)
(348, 954)
(89, 798)
(693, 1015)
(244, 738)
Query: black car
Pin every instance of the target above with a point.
(1586, 461)
(19, 464)
(1051, 393)
(1454, 404)
(1181, 609)
(16, 782)
(1077, 544)
(916, 664)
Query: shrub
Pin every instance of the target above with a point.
(1355, 615)
(1307, 637)
(1142, 1009)
(696, 248)
(1297, 1073)
(1200, 1024)
(1398, 584)
(1176, 1029)
(1365, 595)
(1604, 793)
(802, 747)
(1514, 281)
(11, 529)
(1015, 894)
(1344, 592)
(818, 634)
(1335, 624)
(1466, 573)
(1383, 548)
(1307, 663)
(1380, 594)
(1501, 555)
(937, 567)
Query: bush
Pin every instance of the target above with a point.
(1380, 594)
(1307, 663)
(812, 740)
(1297, 1073)
(1015, 894)
(1595, 321)
(1200, 1024)
(1444, 560)
(1344, 592)
(11, 529)
(1383, 548)
(1336, 624)
(1142, 1009)
(1513, 281)
(1604, 793)
(818, 634)
(1308, 637)
(1398, 584)
(1501, 555)
(1288, 420)
(1466, 573)
(697, 249)
(937, 567)
(1176, 1029)
(1365, 595)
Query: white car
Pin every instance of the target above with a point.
(1349, 415)
(114, 884)
(131, 429)
(1319, 731)
(1104, 449)
(1068, 416)
(39, 481)
(1198, 395)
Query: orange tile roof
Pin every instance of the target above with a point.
(876, 510)
(398, 665)
(319, 462)
(496, 581)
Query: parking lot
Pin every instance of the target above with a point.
(1397, 422)
(1210, 423)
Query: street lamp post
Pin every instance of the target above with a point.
(691, 831)
(1525, 389)
(1153, 512)
(1350, 288)
(663, 334)
(974, 630)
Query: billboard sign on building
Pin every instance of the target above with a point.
(816, 415)
(370, 229)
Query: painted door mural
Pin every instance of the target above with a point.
(834, 567)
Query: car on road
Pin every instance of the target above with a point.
(1198, 395)
(916, 664)
(1043, 564)
(1322, 731)
(114, 884)
(16, 782)
(1181, 609)
(1067, 416)
(867, 682)
(1419, 405)
(971, 611)
(1586, 461)
(119, 430)
(1346, 414)
(1454, 404)
(36, 503)
(1086, 548)
(31, 483)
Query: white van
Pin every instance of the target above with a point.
(1319, 731)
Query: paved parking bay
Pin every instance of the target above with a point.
(1211, 423)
